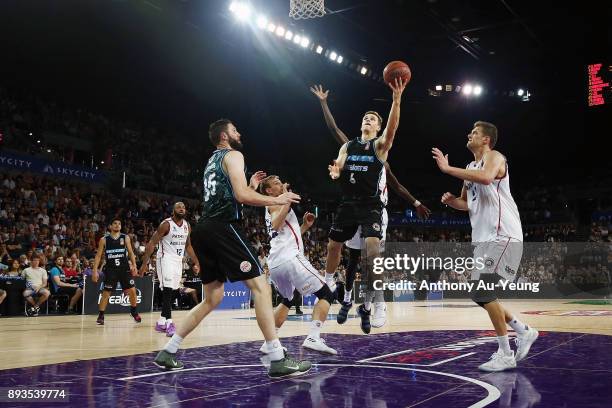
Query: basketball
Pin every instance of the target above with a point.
(397, 69)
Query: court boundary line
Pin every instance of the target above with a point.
(493, 393)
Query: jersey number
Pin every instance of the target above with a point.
(210, 187)
(117, 262)
(179, 252)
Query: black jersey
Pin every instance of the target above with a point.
(363, 170)
(115, 252)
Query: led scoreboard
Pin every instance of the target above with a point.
(600, 81)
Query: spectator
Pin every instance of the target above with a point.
(36, 285)
(14, 269)
(69, 269)
(61, 287)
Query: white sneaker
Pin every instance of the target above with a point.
(524, 341)
(499, 362)
(318, 344)
(264, 349)
(379, 317)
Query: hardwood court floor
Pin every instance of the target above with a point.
(42, 340)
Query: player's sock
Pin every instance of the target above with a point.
(367, 305)
(518, 326)
(504, 345)
(169, 321)
(315, 329)
(173, 345)
(161, 321)
(348, 296)
(167, 303)
(133, 310)
(329, 276)
(276, 350)
(351, 269)
(379, 296)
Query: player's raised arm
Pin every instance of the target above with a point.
(329, 119)
(458, 203)
(494, 166)
(422, 211)
(386, 140)
(234, 165)
(161, 232)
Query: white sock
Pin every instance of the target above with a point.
(276, 350)
(174, 344)
(367, 305)
(518, 326)
(329, 277)
(348, 295)
(315, 329)
(161, 320)
(504, 345)
(168, 321)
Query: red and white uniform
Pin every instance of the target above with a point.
(289, 268)
(496, 224)
(170, 253)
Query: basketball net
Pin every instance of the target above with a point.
(302, 9)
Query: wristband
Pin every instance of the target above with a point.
(416, 203)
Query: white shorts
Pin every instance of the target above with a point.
(169, 272)
(359, 243)
(501, 256)
(296, 273)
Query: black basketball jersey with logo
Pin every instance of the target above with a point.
(362, 171)
(115, 252)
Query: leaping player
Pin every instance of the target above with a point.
(359, 167)
(173, 233)
(497, 235)
(289, 268)
(356, 243)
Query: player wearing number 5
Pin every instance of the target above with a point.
(172, 235)
(116, 247)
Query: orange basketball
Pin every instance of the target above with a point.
(397, 69)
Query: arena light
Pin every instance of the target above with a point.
(288, 35)
(305, 42)
(340, 59)
(520, 92)
(333, 55)
(262, 21)
(271, 27)
(438, 87)
(477, 90)
(241, 10)
(319, 49)
(280, 31)
(467, 89)
(297, 39)
(38, 141)
(363, 70)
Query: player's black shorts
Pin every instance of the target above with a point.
(112, 276)
(352, 215)
(224, 252)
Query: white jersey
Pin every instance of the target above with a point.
(286, 243)
(493, 212)
(172, 245)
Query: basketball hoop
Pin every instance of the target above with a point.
(303, 9)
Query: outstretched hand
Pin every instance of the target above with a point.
(319, 92)
(397, 86)
(441, 159)
(256, 178)
(423, 212)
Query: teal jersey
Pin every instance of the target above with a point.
(219, 201)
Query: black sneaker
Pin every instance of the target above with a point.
(365, 319)
(344, 311)
(298, 311)
(100, 320)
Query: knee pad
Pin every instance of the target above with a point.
(325, 293)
